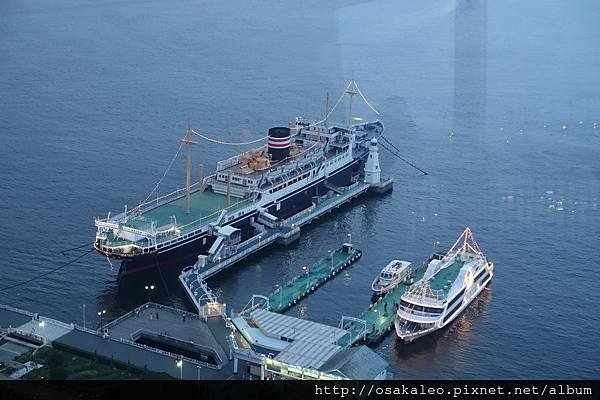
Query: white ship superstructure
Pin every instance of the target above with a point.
(448, 286)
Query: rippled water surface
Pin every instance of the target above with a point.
(498, 101)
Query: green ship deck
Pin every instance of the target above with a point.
(444, 278)
(205, 208)
(202, 206)
(302, 285)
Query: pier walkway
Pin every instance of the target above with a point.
(192, 278)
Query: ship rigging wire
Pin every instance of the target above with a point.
(298, 129)
(48, 272)
(337, 103)
(165, 173)
(227, 143)
(364, 98)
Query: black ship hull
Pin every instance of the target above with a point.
(181, 255)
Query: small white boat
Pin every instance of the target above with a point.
(395, 272)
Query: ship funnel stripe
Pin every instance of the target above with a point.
(285, 143)
(279, 146)
(278, 139)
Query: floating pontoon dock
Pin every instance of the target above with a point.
(378, 319)
(302, 285)
(286, 295)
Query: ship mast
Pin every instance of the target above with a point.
(326, 109)
(351, 91)
(201, 182)
(188, 166)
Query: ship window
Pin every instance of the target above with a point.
(448, 315)
(480, 273)
(457, 298)
(485, 276)
(416, 307)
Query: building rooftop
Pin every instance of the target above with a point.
(359, 363)
(295, 341)
(280, 325)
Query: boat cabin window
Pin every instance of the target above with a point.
(415, 307)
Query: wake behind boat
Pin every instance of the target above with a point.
(448, 286)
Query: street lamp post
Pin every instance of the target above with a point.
(149, 289)
(179, 364)
(199, 368)
(280, 294)
(307, 276)
(101, 314)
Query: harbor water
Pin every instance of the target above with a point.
(498, 101)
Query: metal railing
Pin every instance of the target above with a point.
(146, 306)
(56, 322)
(87, 330)
(325, 204)
(17, 310)
(191, 228)
(250, 247)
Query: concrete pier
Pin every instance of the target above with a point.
(386, 185)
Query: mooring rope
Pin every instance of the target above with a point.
(75, 248)
(396, 153)
(47, 273)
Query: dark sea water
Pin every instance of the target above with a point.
(499, 101)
